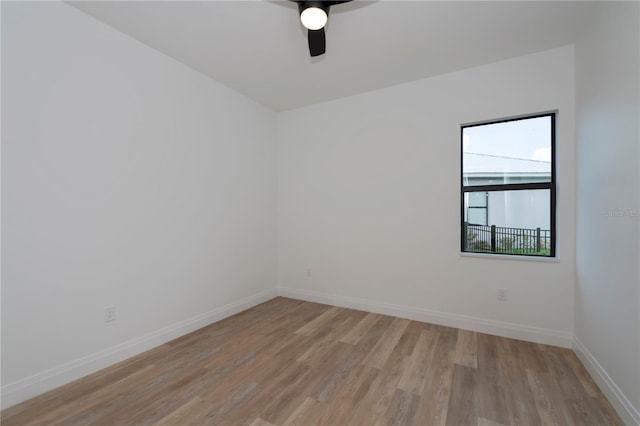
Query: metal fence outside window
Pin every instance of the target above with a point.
(498, 239)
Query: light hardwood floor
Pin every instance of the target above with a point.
(288, 362)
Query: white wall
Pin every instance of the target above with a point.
(369, 201)
(607, 296)
(130, 180)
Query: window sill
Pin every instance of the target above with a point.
(511, 257)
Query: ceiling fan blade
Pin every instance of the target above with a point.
(317, 42)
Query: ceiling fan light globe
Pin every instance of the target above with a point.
(313, 18)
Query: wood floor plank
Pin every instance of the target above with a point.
(72, 391)
(372, 337)
(349, 396)
(338, 375)
(100, 400)
(233, 400)
(188, 413)
(481, 421)
(462, 402)
(283, 403)
(466, 349)
(378, 399)
(273, 389)
(576, 399)
(356, 333)
(146, 402)
(541, 385)
(492, 404)
(407, 342)
(330, 365)
(345, 399)
(311, 327)
(436, 388)
(581, 373)
(28, 411)
(531, 358)
(326, 337)
(375, 403)
(402, 409)
(260, 422)
(380, 353)
(307, 414)
(301, 314)
(293, 362)
(519, 396)
(414, 376)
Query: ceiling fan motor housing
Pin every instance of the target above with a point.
(302, 5)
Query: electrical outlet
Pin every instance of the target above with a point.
(308, 272)
(503, 296)
(109, 313)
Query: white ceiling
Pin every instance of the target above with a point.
(260, 49)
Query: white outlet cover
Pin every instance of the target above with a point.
(109, 313)
(503, 295)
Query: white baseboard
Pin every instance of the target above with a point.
(625, 409)
(21, 390)
(481, 325)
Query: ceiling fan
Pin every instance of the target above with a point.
(314, 15)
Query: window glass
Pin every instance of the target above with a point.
(508, 152)
(517, 223)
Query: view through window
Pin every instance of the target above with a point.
(508, 186)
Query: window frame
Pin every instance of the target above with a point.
(551, 186)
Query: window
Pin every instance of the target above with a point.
(508, 186)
